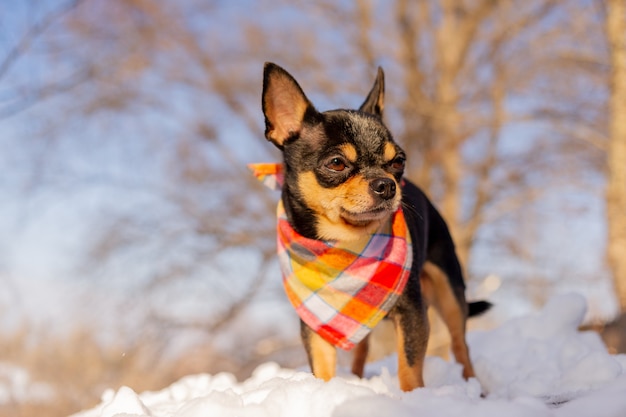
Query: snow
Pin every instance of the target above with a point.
(533, 366)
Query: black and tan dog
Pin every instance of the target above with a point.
(343, 179)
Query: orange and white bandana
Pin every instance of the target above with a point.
(343, 289)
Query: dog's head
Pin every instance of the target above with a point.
(342, 167)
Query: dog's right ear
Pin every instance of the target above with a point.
(284, 105)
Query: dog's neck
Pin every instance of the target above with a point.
(301, 218)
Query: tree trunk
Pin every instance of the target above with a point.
(447, 118)
(616, 157)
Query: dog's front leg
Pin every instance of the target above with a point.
(360, 356)
(412, 329)
(322, 355)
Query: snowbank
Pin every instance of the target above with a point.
(533, 366)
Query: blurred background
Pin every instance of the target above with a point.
(136, 248)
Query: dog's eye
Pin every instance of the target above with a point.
(398, 163)
(336, 164)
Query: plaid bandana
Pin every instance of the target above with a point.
(341, 289)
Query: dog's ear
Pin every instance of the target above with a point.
(284, 105)
(374, 103)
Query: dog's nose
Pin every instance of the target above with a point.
(384, 188)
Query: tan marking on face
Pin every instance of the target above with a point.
(327, 203)
(390, 151)
(349, 151)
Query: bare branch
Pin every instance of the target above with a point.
(32, 34)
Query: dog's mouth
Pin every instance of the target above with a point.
(365, 218)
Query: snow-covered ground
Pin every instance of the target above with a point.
(535, 366)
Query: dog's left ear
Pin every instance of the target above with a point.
(374, 103)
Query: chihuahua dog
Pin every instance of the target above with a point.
(343, 184)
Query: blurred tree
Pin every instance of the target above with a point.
(170, 91)
(588, 103)
(461, 63)
(162, 61)
(616, 149)
(178, 84)
(186, 75)
(17, 96)
(462, 77)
